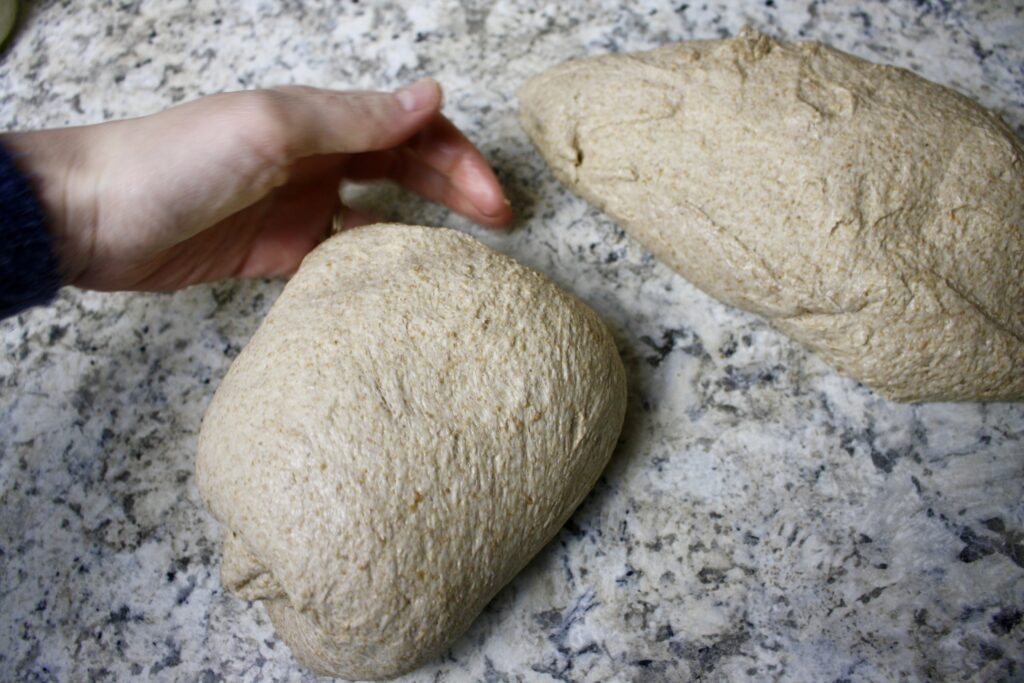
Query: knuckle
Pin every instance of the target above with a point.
(379, 122)
(264, 116)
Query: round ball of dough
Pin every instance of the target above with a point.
(874, 216)
(416, 417)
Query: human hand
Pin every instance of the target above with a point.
(241, 184)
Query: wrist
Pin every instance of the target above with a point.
(50, 161)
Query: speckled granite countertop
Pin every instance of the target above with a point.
(763, 518)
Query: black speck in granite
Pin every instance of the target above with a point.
(671, 339)
(704, 658)
(1006, 620)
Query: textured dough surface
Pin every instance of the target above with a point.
(416, 417)
(872, 215)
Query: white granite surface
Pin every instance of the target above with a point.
(762, 519)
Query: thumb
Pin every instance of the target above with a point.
(316, 121)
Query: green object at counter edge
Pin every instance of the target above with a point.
(8, 15)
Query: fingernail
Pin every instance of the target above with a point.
(419, 95)
(488, 199)
(495, 210)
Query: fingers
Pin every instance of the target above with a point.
(415, 174)
(257, 141)
(442, 165)
(443, 147)
(308, 121)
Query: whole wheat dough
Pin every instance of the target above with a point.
(416, 417)
(870, 214)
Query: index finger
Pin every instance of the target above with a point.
(441, 164)
(448, 151)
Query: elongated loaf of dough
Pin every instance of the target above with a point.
(870, 214)
(416, 417)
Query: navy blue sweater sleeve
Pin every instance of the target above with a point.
(29, 272)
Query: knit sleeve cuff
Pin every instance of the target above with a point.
(29, 271)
